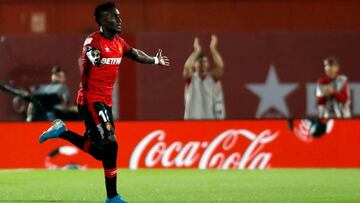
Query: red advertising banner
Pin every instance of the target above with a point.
(247, 144)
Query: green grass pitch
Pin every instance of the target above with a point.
(282, 185)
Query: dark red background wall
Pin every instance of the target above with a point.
(27, 56)
(73, 16)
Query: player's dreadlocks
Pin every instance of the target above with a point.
(106, 6)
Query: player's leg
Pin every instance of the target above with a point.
(110, 147)
(110, 169)
(59, 130)
(99, 141)
(90, 141)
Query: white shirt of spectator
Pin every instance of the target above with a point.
(204, 98)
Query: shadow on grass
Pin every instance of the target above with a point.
(66, 201)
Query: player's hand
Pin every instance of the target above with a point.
(213, 42)
(163, 60)
(197, 47)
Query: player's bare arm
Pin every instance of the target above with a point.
(190, 62)
(218, 61)
(141, 57)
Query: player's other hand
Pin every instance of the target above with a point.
(197, 46)
(163, 60)
(213, 42)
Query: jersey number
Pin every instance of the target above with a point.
(103, 114)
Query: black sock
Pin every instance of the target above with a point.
(109, 164)
(83, 143)
(74, 138)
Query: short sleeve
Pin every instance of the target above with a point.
(126, 46)
(90, 42)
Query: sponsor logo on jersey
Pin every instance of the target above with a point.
(111, 61)
(88, 41)
(107, 49)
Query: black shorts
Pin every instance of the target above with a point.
(98, 120)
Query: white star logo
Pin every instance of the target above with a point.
(272, 94)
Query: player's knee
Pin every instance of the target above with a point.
(112, 145)
(111, 138)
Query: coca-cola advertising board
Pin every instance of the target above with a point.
(246, 144)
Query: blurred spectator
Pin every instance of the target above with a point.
(203, 91)
(54, 99)
(332, 92)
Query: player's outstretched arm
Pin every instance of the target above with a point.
(190, 62)
(218, 61)
(141, 57)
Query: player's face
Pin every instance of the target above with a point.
(202, 64)
(111, 21)
(331, 71)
